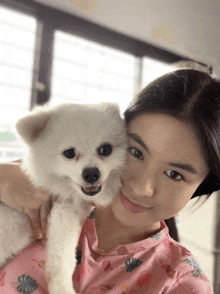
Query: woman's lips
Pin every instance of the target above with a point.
(134, 208)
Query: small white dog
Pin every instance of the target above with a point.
(76, 152)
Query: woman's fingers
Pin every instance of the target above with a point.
(44, 213)
(17, 191)
(38, 218)
(34, 216)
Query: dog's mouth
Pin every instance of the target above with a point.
(91, 191)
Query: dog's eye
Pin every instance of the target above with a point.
(69, 153)
(105, 150)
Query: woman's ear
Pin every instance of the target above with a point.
(31, 126)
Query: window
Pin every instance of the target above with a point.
(17, 44)
(153, 69)
(86, 72)
(83, 71)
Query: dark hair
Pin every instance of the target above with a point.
(193, 96)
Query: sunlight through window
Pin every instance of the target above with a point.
(83, 72)
(153, 69)
(86, 72)
(17, 44)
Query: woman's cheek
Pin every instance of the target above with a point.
(132, 168)
(176, 198)
(127, 173)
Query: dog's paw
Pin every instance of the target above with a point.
(54, 289)
(57, 286)
(57, 281)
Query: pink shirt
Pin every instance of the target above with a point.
(156, 265)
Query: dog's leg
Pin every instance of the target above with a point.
(63, 232)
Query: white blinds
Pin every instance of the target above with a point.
(153, 69)
(86, 72)
(83, 72)
(17, 42)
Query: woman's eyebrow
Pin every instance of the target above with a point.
(138, 139)
(186, 167)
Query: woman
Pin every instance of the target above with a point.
(174, 145)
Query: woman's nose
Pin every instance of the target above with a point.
(142, 186)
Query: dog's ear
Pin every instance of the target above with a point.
(31, 126)
(111, 107)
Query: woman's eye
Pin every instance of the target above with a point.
(136, 153)
(174, 175)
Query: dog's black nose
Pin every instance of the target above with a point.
(91, 175)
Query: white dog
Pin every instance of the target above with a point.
(76, 152)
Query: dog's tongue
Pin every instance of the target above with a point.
(91, 189)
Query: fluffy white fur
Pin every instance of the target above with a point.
(48, 132)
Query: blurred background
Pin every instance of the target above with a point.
(88, 51)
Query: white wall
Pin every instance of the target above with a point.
(190, 28)
(197, 231)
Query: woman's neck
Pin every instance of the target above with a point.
(111, 232)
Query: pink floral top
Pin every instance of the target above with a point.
(156, 265)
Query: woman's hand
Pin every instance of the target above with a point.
(17, 192)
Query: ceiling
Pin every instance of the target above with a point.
(190, 28)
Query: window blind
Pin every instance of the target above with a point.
(17, 44)
(153, 69)
(83, 72)
(87, 72)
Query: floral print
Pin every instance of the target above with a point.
(27, 284)
(107, 266)
(26, 272)
(132, 264)
(197, 269)
(155, 265)
(156, 236)
(2, 278)
(78, 255)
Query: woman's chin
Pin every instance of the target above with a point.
(128, 218)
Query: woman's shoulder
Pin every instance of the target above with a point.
(179, 257)
(183, 266)
(183, 271)
(158, 259)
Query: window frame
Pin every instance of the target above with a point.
(49, 20)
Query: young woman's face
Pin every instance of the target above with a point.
(165, 166)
